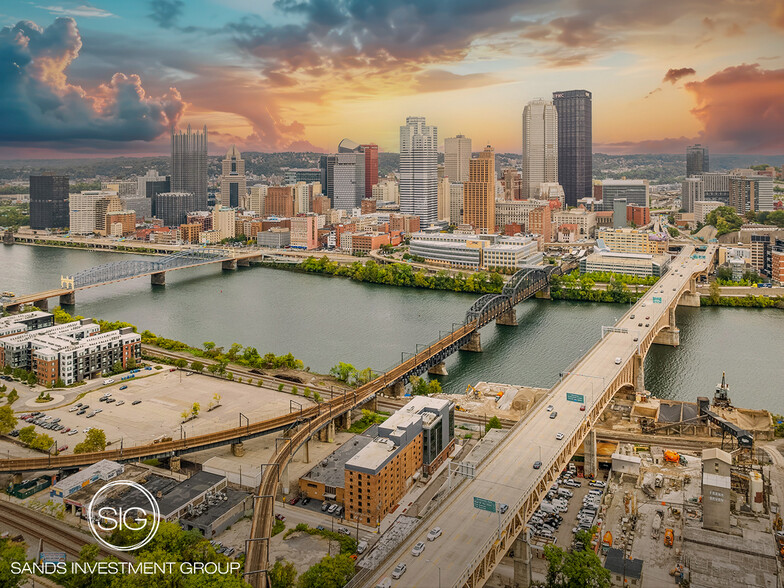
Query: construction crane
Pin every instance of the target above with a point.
(474, 392)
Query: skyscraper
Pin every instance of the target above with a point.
(419, 170)
(457, 153)
(371, 167)
(540, 146)
(348, 188)
(232, 180)
(479, 195)
(49, 202)
(575, 136)
(189, 164)
(697, 160)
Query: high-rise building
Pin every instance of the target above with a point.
(84, 210)
(697, 160)
(479, 196)
(716, 186)
(512, 184)
(456, 191)
(279, 201)
(49, 202)
(232, 181)
(457, 154)
(575, 136)
(223, 221)
(751, 193)
(692, 190)
(327, 167)
(371, 167)
(348, 176)
(257, 197)
(189, 164)
(173, 207)
(633, 191)
(540, 146)
(418, 169)
(444, 191)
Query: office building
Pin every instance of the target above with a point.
(173, 207)
(697, 160)
(633, 191)
(120, 223)
(619, 213)
(760, 252)
(327, 173)
(540, 146)
(692, 189)
(232, 179)
(777, 262)
(456, 203)
(387, 190)
(304, 232)
(513, 184)
(584, 220)
(189, 232)
(716, 490)
(406, 223)
(716, 186)
(516, 212)
(104, 206)
(371, 167)
(87, 210)
(444, 190)
(575, 143)
(189, 164)
(479, 192)
(540, 222)
(418, 169)
(633, 241)
(276, 238)
(307, 175)
(703, 207)
(471, 251)
(279, 201)
(256, 200)
(348, 179)
(457, 154)
(223, 221)
(49, 208)
(638, 216)
(552, 191)
(633, 264)
(751, 194)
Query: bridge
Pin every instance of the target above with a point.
(156, 268)
(474, 541)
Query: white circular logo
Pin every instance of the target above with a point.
(111, 518)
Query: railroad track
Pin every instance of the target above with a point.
(56, 535)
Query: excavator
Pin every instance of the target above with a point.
(669, 537)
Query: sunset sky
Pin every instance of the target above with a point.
(111, 78)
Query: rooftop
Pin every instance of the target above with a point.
(330, 471)
(618, 564)
(214, 512)
(374, 454)
(186, 491)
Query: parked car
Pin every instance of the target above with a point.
(324, 506)
(418, 549)
(63, 448)
(537, 464)
(344, 531)
(434, 533)
(553, 414)
(74, 432)
(73, 409)
(124, 387)
(109, 381)
(399, 570)
(559, 436)
(135, 402)
(81, 412)
(597, 484)
(120, 402)
(305, 500)
(280, 517)
(109, 400)
(332, 508)
(294, 500)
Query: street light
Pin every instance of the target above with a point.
(439, 570)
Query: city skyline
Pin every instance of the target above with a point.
(305, 75)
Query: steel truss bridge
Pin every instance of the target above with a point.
(523, 284)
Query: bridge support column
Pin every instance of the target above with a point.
(638, 366)
(158, 279)
(398, 389)
(307, 451)
(237, 449)
(347, 418)
(244, 262)
(438, 370)
(13, 308)
(284, 481)
(474, 343)
(229, 264)
(522, 562)
(508, 318)
(174, 463)
(373, 404)
(591, 467)
(43, 304)
(68, 299)
(692, 297)
(331, 432)
(544, 293)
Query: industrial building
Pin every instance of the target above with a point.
(103, 470)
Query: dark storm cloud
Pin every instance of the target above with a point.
(166, 12)
(40, 104)
(673, 75)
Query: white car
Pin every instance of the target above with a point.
(550, 408)
(399, 570)
(109, 381)
(73, 409)
(120, 402)
(73, 432)
(87, 430)
(617, 361)
(434, 533)
(559, 436)
(418, 549)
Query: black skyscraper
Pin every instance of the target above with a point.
(575, 155)
(49, 202)
(697, 160)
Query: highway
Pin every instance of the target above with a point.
(508, 476)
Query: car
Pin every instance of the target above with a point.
(110, 400)
(617, 361)
(280, 517)
(85, 406)
(550, 408)
(91, 415)
(87, 430)
(647, 324)
(229, 551)
(120, 402)
(305, 500)
(647, 318)
(399, 570)
(553, 414)
(294, 500)
(81, 412)
(418, 549)
(632, 316)
(125, 387)
(673, 289)
(320, 527)
(73, 409)
(636, 339)
(503, 508)
(135, 402)
(434, 533)
(597, 484)
(74, 432)
(582, 407)
(332, 508)
(362, 546)
(109, 381)
(324, 506)
(97, 410)
(643, 303)
(63, 448)
(537, 464)
(639, 324)
(344, 531)
(559, 436)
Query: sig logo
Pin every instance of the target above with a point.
(112, 510)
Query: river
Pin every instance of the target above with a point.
(323, 320)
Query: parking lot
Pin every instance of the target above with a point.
(164, 397)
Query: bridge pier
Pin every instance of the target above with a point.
(522, 561)
(237, 449)
(229, 264)
(306, 447)
(158, 279)
(690, 298)
(507, 318)
(329, 432)
(43, 304)
(438, 370)
(285, 481)
(591, 466)
(174, 463)
(398, 389)
(244, 262)
(347, 418)
(474, 343)
(638, 366)
(544, 292)
(670, 335)
(68, 299)
(13, 308)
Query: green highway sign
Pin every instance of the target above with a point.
(484, 504)
(575, 397)
(657, 299)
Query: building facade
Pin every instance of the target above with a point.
(232, 179)
(49, 207)
(575, 143)
(173, 207)
(697, 160)
(189, 164)
(633, 191)
(751, 194)
(540, 146)
(479, 192)
(418, 169)
(457, 154)
(86, 214)
(279, 201)
(348, 188)
(304, 231)
(692, 190)
(371, 167)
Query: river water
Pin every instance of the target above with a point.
(323, 320)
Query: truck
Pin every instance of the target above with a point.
(657, 521)
(659, 481)
(669, 537)
(607, 541)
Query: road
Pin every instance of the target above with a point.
(508, 475)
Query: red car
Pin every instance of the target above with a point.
(63, 448)
(582, 407)
(294, 500)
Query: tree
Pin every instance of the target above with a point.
(32, 379)
(330, 572)
(343, 371)
(7, 419)
(197, 366)
(95, 441)
(724, 274)
(493, 423)
(282, 575)
(317, 397)
(212, 368)
(42, 442)
(195, 409)
(307, 392)
(11, 552)
(580, 568)
(58, 383)
(180, 363)
(27, 434)
(715, 292)
(294, 390)
(131, 363)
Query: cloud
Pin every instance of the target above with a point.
(85, 10)
(741, 108)
(166, 12)
(652, 92)
(40, 104)
(673, 75)
(439, 80)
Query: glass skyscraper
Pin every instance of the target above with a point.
(575, 136)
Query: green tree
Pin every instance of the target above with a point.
(294, 390)
(213, 368)
(282, 575)
(7, 419)
(195, 409)
(117, 367)
(307, 392)
(317, 396)
(94, 441)
(27, 434)
(32, 379)
(715, 292)
(493, 423)
(42, 442)
(180, 363)
(13, 396)
(343, 371)
(11, 552)
(58, 383)
(580, 568)
(330, 572)
(197, 366)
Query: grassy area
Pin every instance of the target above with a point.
(348, 544)
(278, 527)
(369, 418)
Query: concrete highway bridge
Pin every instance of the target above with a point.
(474, 541)
(155, 267)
